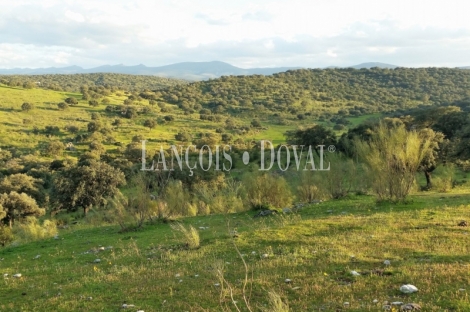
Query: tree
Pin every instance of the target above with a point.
(54, 148)
(150, 123)
(433, 155)
(19, 205)
(62, 106)
(71, 101)
(94, 126)
(314, 136)
(23, 183)
(255, 123)
(27, 106)
(93, 103)
(85, 186)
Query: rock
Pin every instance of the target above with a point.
(265, 255)
(461, 289)
(97, 261)
(397, 303)
(5, 275)
(354, 273)
(89, 298)
(177, 275)
(410, 307)
(127, 306)
(37, 257)
(375, 301)
(408, 289)
(216, 284)
(101, 249)
(387, 262)
(17, 275)
(346, 304)
(264, 213)
(286, 210)
(463, 223)
(56, 236)
(288, 280)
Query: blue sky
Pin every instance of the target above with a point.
(244, 33)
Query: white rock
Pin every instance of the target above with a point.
(180, 281)
(387, 262)
(37, 257)
(346, 303)
(126, 306)
(56, 236)
(5, 275)
(295, 288)
(196, 275)
(288, 280)
(101, 248)
(17, 275)
(97, 261)
(140, 311)
(216, 284)
(264, 255)
(461, 289)
(408, 289)
(397, 303)
(355, 273)
(177, 275)
(89, 298)
(375, 301)
(253, 252)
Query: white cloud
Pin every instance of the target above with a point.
(245, 33)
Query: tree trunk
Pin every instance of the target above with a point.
(85, 211)
(427, 174)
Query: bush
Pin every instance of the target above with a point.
(6, 235)
(265, 190)
(191, 235)
(176, 198)
(30, 229)
(27, 106)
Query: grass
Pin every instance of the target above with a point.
(316, 249)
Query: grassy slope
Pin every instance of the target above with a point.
(314, 249)
(13, 131)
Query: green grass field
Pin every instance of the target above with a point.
(315, 248)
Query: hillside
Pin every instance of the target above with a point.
(316, 249)
(73, 82)
(316, 93)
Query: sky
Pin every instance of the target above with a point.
(305, 33)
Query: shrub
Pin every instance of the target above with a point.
(6, 235)
(27, 106)
(264, 190)
(190, 234)
(30, 229)
(176, 198)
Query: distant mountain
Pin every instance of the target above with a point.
(186, 70)
(373, 64)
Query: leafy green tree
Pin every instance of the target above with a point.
(27, 106)
(93, 103)
(71, 101)
(314, 136)
(94, 126)
(62, 106)
(19, 205)
(54, 148)
(85, 186)
(150, 123)
(23, 183)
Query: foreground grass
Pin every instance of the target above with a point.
(316, 249)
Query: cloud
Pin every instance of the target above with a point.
(266, 33)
